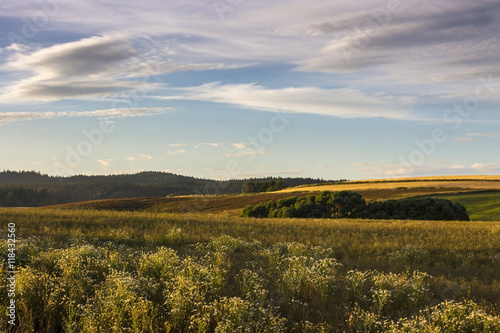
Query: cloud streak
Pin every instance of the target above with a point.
(12, 117)
(345, 103)
(139, 157)
(94, 67)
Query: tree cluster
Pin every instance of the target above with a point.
(30, 188)
(349, 204)
(20, 197)
(325, 204)
(263, 186)
(416, 209)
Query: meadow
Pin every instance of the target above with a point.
(482, 206)
(150, 271)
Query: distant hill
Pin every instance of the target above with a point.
(142, 178)
(31, 188)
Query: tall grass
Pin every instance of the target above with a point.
(89, 271)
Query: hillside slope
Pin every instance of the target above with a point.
(232, 204)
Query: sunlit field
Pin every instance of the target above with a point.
(103, 271)
(481, 206)
(458, 183)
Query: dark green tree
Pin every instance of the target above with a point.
(11, 200)
(347, 204)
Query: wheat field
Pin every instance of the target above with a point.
(460, 183)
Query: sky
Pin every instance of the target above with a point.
(225, 89)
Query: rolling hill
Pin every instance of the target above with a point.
(480, 195)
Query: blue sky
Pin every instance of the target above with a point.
(236, 88)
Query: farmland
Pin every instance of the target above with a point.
(189, 264)
(450, 183)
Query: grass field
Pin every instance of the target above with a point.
(482, 206)
(190, 264)
(109, 271)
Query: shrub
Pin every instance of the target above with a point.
(349, 204)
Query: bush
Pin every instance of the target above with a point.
(416, 209)
(349, 204)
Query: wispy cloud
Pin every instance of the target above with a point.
(346, 103)
(457, 166)
(94, 67)
(210, 144)
(11, 117)
(473, 136)
(458, 39)
(84, 68)
(485, 166)
(176, 152)
(491, 135)
(246, 153)
(106, 162)
(239, 146)
(177, 145)
(241, 150)
(382, 169)
(139, 157)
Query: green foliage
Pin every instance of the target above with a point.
(416, 209)
(88, 271)
(349, 204)
(263, 186)
(208, 288)
(481, 206)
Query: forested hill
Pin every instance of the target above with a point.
(30, 188)
(142, 178)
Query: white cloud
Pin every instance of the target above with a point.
(138, 157)
(456, 40)
(210, 144)
(457, 166)
(106, 162)
(84, 68)
(176, 152)
(345, 102)
(482, 166)
(177, 145)
(93, 67)
(246, 153)
(11, 117)
(239, 146)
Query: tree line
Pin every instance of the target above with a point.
(31, 189)
(349, 204)
(264, 186)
